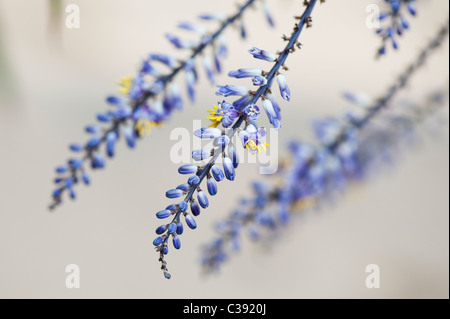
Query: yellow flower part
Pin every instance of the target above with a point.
(125, 84)
(306, 203)
(251, 146)
(214, 117)
(144, 126)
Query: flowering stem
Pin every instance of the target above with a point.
(305, 19)
(167, 78)
(89, 150)
(271, 75)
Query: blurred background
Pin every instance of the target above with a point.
(53, 81)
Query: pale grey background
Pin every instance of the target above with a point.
(399, 220)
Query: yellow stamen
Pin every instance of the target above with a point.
(214, 118)
(125, 84)
(305, 203)
(144, 126)
(251, 145)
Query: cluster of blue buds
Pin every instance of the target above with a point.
(394, 22)
(148, 99)
(231, 116)
(347, 149)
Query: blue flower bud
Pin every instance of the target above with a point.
(190, 82)
(209, 132)
(202, 199)
(221, 141)
(172, 207)
(268, 107)
(129, 136)
(263, 55)
(94, 142)
(284, 89)
(76, 147)
(245, 73)
(158, 241)
(176, 242)
(193, 180)
(93, 129)
(75, 163)
(174, 193)
(412, 8)
(111, 139)
(69, 182)
(183, 206)
(232, 153)
(57, 192)
(199, 155)
(123, 112)
(105, 118)
(188, 169)
(195, 208)
(190, 221)
(172, 228)
(163, 214)
(228, 90)
(161, 229)
(229, 169)
(217, 173)
(113, 100)
(179, 228)
(184, 187)
(62, 169)
(98, 161)
(212, 186)
(192, 27)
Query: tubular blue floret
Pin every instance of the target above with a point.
(217, 173)
(209, 132)
(163, 214)
(263, 55)
(228, 168)
(202, 199)
(195, 208)
(190, 221)
(284, 89)
(174, 193)
(176, 242)
(172, 228)
(212, 186)
(150, 96)
(202, 154)
(188, 169)
(228, 90)
(245, 73)
(193, 180)
(161, 229)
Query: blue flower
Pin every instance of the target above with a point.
(224, 114)
(252, 139)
